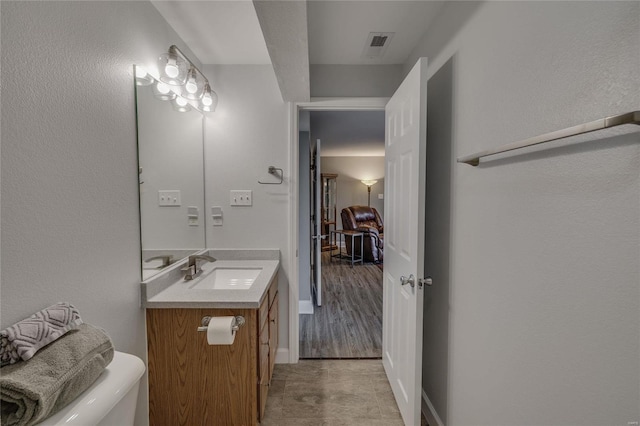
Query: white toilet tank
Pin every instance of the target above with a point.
(110, 401)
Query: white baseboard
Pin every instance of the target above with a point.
(282, 356)
(305, 307)
(429, 412)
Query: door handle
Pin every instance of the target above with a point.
(315, 237)
(425, 281)
(411, 280)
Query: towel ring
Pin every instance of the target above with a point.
(277, 172)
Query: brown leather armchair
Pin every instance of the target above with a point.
(366, 220)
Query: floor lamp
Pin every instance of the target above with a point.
(369, 183)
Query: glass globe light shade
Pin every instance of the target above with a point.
(209, 100)
(143, 78)
(172, 68)
(163, 91)
(180, 104)
(194, 86)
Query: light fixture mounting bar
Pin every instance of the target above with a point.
(174, 49)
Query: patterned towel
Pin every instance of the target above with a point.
(23, 339)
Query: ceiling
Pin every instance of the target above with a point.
(349, 133)
(228, 32)
(338, 30)
(218, 32)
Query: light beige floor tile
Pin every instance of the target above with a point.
(273, 410)
(304, 370)
(329, 401)
(387, 405)
(365, 422)
(295, 422)
(277, 387)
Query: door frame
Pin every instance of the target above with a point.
(316, 104)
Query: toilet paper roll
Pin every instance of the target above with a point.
(220, 331)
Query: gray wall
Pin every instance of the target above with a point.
(70, 226)
(354, 80)
(435, 355)
(351, 191)
(247, 134)
(545, 245)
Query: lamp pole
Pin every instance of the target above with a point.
(369, 184)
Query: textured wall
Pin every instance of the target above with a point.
(545, 248)
(351, 191)
(70, 227)
(247, 134)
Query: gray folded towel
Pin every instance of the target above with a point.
(33, 390)
(23, 339)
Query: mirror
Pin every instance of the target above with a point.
(171, 173)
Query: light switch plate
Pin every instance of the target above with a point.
(380, 196)
(241, 198)
(168, 198)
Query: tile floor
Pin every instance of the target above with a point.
(331, 393)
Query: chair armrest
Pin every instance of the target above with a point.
(368, 229)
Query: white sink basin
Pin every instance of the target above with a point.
(227, 279)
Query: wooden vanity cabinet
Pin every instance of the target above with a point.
(193, 383)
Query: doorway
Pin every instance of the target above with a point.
(341, 309)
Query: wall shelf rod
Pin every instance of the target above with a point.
(600, 124)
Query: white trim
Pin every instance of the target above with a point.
(316, 104)
(429, 411)
(294, 282)
(306, 307)
(344, 104)
(282, 356)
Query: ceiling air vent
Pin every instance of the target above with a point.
(377, 44)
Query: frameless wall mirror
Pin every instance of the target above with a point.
(171, 173)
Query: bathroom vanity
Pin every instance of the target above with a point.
(192, 382)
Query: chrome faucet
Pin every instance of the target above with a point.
(193, 268)
(167, 259)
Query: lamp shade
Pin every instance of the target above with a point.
(180, 104)
(369, 182)
(193, 87)
(209, 100)
(142, 77)
(163, 91)
(172, 68)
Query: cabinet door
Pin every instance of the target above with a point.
(263, 370)
(273, 335)
(194, 383)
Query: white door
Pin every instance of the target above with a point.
(405, 159)
(316, 222)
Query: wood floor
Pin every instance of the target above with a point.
(349, 322)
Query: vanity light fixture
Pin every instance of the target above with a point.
(369, 184)
(142, 77)
(173, 67)
(209, 99)
(186, 81)
(180, 104)
(163, 91)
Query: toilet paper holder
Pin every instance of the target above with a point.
(237, 323)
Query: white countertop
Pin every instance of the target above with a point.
(170, 290)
